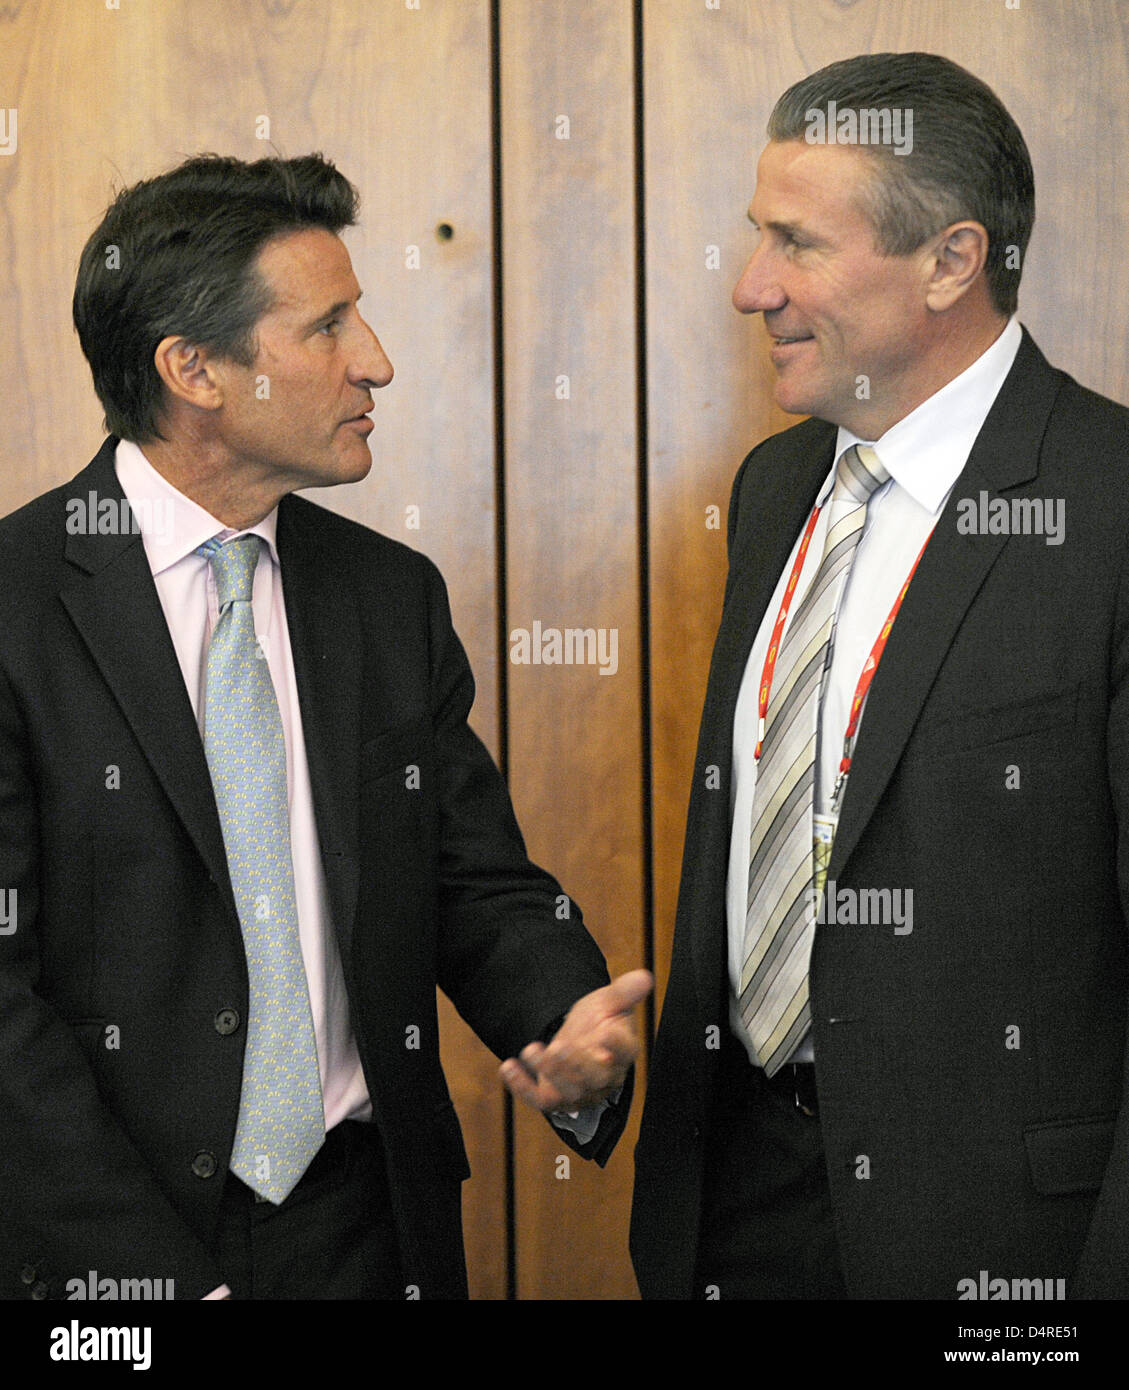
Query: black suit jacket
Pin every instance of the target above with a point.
(978, 1062)
(120, 1083)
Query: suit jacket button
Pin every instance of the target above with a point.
(40, 1291)
(204, 1164)
(29, 1274)
(227, 1021)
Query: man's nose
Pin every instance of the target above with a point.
(758, 288)
(373, 365)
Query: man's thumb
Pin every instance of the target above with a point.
(625, 991)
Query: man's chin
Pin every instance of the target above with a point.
(362, 469)
(793, 401)
(343, 470)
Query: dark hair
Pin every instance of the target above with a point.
(968, 157)
(176, 254)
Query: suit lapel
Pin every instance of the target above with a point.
(775, 502)
(948, 578)
(113, 602)
(326, 641)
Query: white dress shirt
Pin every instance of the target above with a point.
(924, 454)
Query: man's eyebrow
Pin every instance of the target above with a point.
(782, 228)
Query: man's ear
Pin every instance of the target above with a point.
(957, 257)
(189, 373)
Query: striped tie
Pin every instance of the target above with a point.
(281, 1116)
(780, 920)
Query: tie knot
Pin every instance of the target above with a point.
(860, 473)
(233, 565)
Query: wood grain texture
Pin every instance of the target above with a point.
(572, 524)
(711, 78)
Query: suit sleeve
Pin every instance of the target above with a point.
(75, 1193)
(514, 954)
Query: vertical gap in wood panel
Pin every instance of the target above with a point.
(647, 787)
(500, 551)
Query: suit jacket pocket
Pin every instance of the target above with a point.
(1069, 1155)
(981, 726)
(393, 750)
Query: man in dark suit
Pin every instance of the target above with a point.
(245, 829)
(891, 1056)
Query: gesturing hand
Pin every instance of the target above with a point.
(591, 1053)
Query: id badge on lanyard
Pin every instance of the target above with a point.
(824, 839)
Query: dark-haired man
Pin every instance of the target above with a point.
(245, 828)
(890, 1061)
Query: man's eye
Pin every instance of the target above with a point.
(331, 327)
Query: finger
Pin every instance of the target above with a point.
(538, 1095)
(626, 991)
(518, 1081)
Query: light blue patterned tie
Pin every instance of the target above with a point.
(281, 1115)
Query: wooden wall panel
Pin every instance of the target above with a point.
(711, 78)
(575, 741)
(400, 99)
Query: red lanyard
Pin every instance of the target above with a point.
(774, 645)
(869, 666)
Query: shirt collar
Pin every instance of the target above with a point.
(171, 524)
(927, 449)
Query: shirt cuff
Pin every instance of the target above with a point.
(583, 1124)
